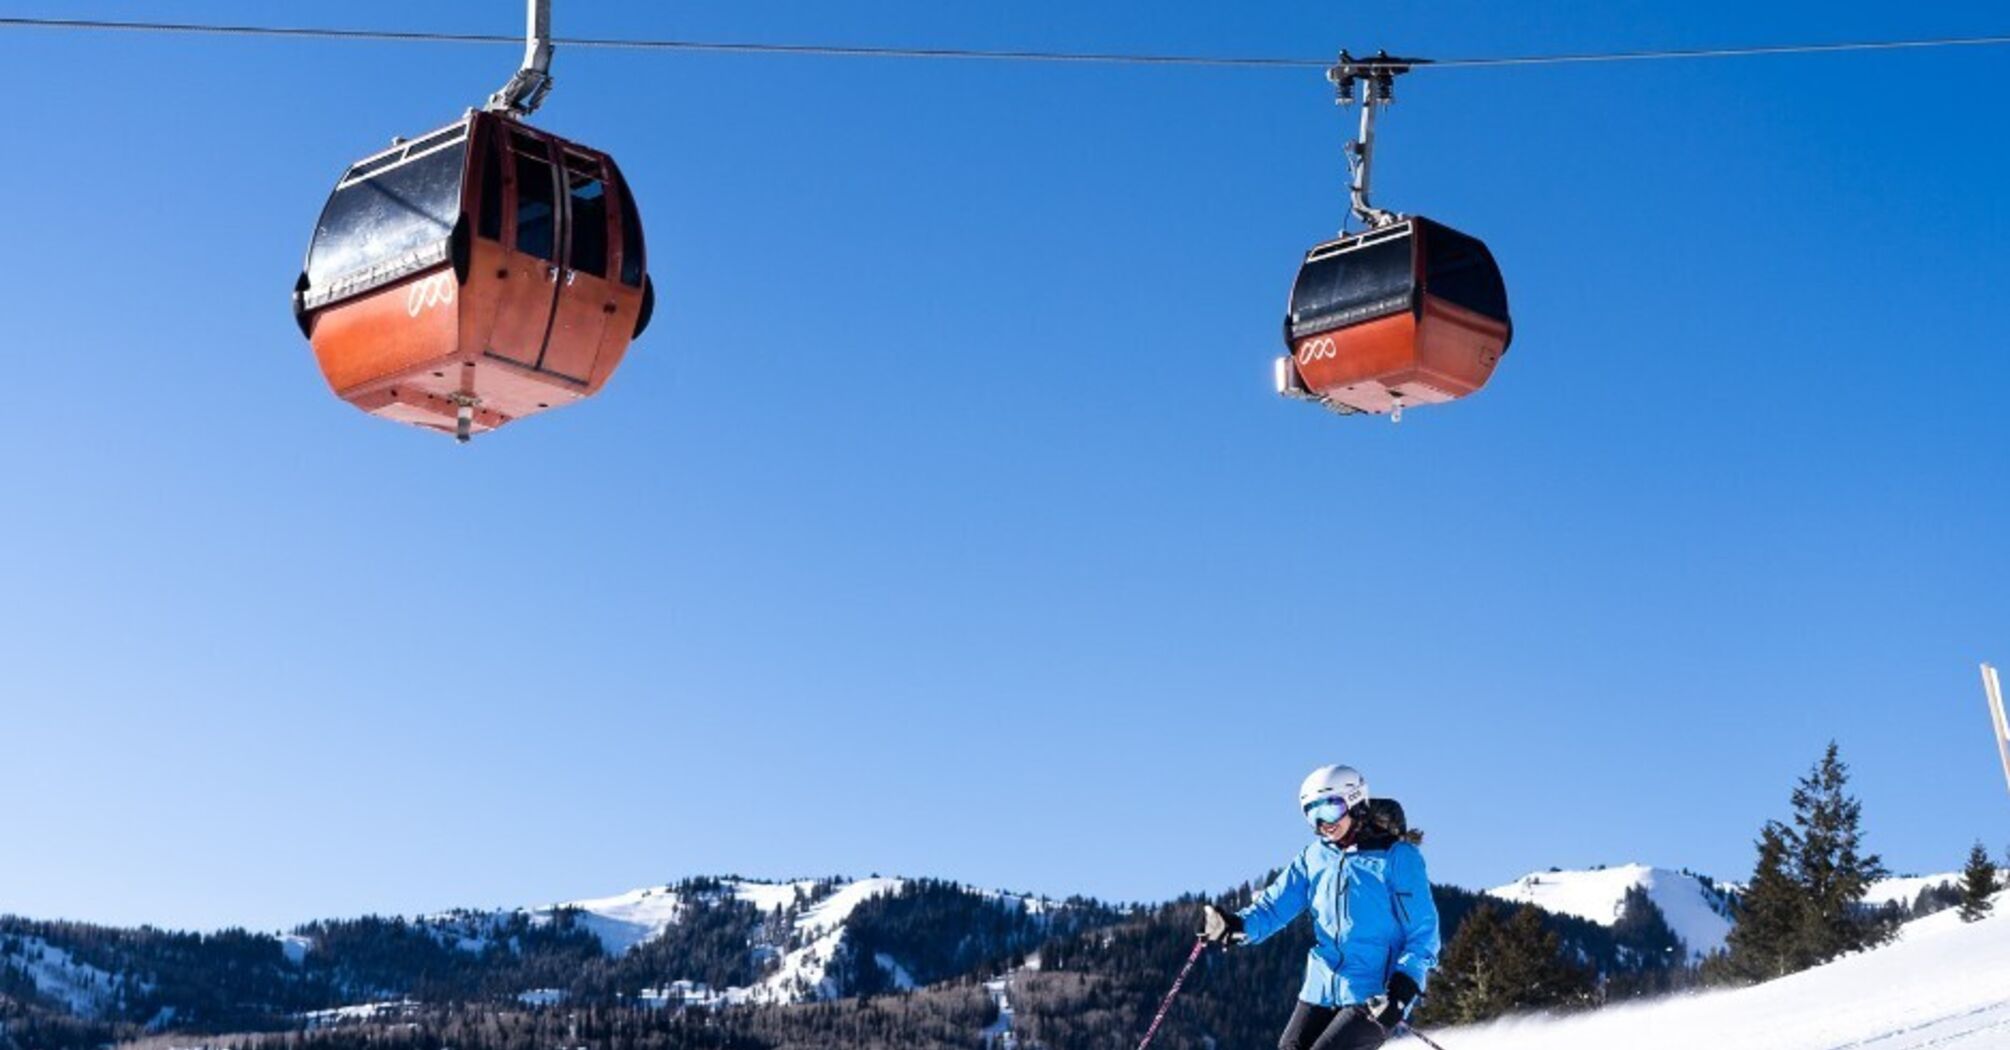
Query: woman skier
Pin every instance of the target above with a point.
(1375, 927)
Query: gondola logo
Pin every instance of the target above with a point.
(1319, 349)
(437, 290)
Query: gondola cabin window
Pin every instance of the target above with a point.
(589, 216)
(1357, 282)
(1461, 271)
(489, 222)
(388, 206)
(536, 202)
(631, 241)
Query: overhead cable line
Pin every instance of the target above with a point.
(976, 54)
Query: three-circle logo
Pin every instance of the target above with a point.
(437, 290)
(1320, 349)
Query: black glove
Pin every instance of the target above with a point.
(1393, 1008)
(1220, 927)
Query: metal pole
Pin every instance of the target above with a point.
(1428, 1041)
(1199, 946)
(1364, 159)
(1992, 687)
(532, 82)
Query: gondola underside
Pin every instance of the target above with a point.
(1439, 353)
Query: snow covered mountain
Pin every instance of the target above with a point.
(1696, 907)
(1943, 984)
(1905, 889)
(809, 938)
(707, 942)
(802, 931)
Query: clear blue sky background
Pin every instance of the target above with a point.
(945, 523)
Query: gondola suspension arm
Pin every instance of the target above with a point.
(532, 82)
(1373, 79)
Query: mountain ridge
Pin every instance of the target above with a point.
(707, 942)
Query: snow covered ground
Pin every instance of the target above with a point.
(84, 990)
(1696, 909)
(811, 941)
(1943, 985)
(999, 1034)
(1904, 890)
(802, 974)
(638, 916)
(357, 1013)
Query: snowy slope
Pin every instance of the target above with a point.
(628, 919)
(84, 990)
(804, 971)
(810, 939)
(1905, 889)
(1944, 985)
(1696, 909)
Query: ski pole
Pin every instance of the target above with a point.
(1199, 946)
(1428, 1041)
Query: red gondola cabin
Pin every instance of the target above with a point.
(1408, 313)
(486, 267)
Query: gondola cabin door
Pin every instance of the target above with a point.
(526, 248)
(593, 317)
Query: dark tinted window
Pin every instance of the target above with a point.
(589, 223)
(1458, 270)
(374, 165)
(631, 241)
(489, 222)
(438, 138)
(1353, 285)
(536, 208)
(387, 214)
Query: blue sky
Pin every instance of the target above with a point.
(944, 523)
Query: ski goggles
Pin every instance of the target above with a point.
(1325, 811)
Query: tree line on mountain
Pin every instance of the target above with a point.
(1096, 974)
(990, 935)
(950, 1017)
(1101, 969)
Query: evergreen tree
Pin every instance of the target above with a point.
(1831, 866)
(1643, 931)
(1805, 903)
(1978, 883)
(1653, 960)
(1768, 915)
(1495, 965)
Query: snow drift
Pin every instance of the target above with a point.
(1943, 984)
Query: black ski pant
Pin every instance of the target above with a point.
(1331, 1028)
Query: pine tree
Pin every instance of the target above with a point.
(1769, 913)
(1978, 883)
(1495, 965)
(1833, 871)
(1805, 902)
(1644, 931)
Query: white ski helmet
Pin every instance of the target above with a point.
(1342, 784)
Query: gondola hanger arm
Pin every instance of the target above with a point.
(532, 81)
(1371, 81)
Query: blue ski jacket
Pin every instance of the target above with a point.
(1372, 915)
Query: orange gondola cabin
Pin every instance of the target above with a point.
(473, 276)
(1409, 313)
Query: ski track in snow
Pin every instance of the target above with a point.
(1943, 983)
